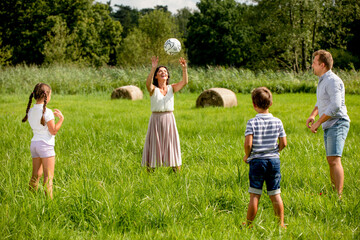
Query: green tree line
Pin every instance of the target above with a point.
(265, 34)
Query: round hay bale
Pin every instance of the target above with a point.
(219, 97)
(127, 92)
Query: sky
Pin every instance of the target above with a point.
(173, 5)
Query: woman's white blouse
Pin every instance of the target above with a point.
(161, 103)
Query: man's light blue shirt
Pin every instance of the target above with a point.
(330, 94)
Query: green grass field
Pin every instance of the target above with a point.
(102, 192)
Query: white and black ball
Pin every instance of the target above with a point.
(172, 46)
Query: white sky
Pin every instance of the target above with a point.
(173, 5)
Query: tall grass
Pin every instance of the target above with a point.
(102, 192)
(75, 80)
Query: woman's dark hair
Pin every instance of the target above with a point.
(41, 90)
(155, 81)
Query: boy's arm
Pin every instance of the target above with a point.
(282, 143)
(248, 146)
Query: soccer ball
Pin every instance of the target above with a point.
(172, 46)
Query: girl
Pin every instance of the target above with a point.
(42, 122)
(162, 144)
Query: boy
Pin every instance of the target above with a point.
(262, 153)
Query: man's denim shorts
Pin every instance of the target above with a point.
(267, 170)
(335, 136)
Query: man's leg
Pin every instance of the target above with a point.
(334, 138)
(336, 173)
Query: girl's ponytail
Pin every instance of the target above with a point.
(28, 107)
(42, 121)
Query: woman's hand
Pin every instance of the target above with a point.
(154, 61)
(183, 62)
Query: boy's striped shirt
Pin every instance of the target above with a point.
(266, 130)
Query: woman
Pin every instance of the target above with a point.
(162, 144)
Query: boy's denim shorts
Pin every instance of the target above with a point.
(267, 170)
(40, 149)
(335, 136)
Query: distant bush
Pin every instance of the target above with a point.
(86, 80)
(344, 59)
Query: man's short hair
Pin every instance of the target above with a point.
(262, 97)
(324, 57)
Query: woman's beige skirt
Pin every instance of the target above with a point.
(162, 144)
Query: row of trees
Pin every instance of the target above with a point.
(272, 34)
(57, 31)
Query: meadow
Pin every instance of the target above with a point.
(102, 192)
(86, 80)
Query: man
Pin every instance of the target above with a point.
(330, 107)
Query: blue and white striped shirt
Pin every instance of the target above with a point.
(266, 129)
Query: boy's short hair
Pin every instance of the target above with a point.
(324, 57)
(261, 97)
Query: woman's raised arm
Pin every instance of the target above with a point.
(178, 86)
(150, 87)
